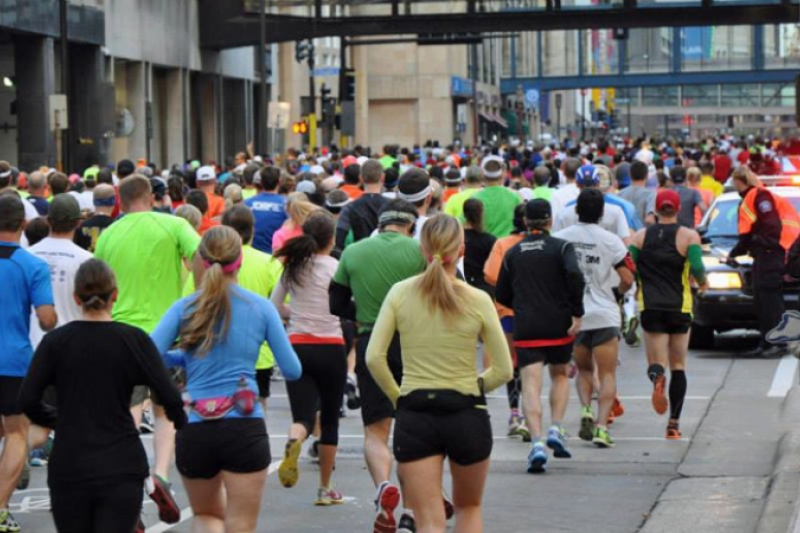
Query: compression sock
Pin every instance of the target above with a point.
(653, 371)
(677, 393)
(512, 389)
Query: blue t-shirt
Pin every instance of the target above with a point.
(269, 210)
(216, 374)
(26, 285)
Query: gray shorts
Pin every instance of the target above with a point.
(596, 337)
(140, 394)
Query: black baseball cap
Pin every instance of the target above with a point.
(538, 209)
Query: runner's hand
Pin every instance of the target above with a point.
(576, 326)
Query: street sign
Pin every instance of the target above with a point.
(279, 115)
(322, 72)
(622, 101)
(532, 97)
(59, 120)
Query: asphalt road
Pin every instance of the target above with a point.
(714, 479)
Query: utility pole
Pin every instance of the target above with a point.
(64, 40)
(263, 111)
(312, 93)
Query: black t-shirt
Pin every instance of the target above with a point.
(89, 231)
(477, 246)
(94, 367)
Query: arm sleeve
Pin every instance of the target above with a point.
(695, 255)
(41, 287)
(278, 299)
(378, 348)
(575, 282)
(41, 374)
(158, 379)
(168, 330)
(275, 335)
(501, 369)
(504, 291)
(340, 301)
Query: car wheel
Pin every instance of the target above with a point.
(701, 337)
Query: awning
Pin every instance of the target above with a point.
(500, 120)
(486, 116)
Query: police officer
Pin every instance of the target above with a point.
(768, 226)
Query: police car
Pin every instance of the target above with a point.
(728, 303)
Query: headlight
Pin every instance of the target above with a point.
(724, 280)
(710, 260)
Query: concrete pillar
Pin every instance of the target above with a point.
(205, 91)
(35, 78)
(174, 118)
(136, 103)
(361, 65)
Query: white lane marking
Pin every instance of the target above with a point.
(784, 377)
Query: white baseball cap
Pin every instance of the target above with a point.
(206, 174)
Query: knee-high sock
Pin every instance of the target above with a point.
(677, 392)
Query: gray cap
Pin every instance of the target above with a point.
(64, 208)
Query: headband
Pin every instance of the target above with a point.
(453, 180)
(339, 204)
(5, 174)
(415, 197)
(226, 269)
(493, 174)
(396, 217)
(104, 202)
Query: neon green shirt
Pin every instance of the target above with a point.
(146, 250)
(455, 205)
(498, 210)
(259, 273)
(248, 193)
(543, 193)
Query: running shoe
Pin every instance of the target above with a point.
(386, 502)
(659, 398)
(601, 438)
(351, 389)
(674, 431)
(146, 425)
(523, 431)
(537, 459)
(7, 523)
(632, 333)
(513, 425)
(160, 491)
(617, 409)
(24, 478)
(406, 524)
(557, 441)
(313, 451)
(587, 424)
(449, 508)
(327, 496)
(38, 457)
(140, 526)
(288, 472)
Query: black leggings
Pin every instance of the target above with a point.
(321, 387)
(112, 506)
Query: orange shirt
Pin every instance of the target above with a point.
(353, 191)
(491, 270)
(216, 205)
(708, 199)
(206, 224)
(448, 193)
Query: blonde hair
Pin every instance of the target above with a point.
(209, 316)
(299, 208)
(233, 195)
(745, 175)
(694, 175)
(441, 240)
(191, 214)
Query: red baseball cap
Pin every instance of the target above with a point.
(669, 199)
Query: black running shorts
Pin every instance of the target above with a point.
(264, 381)
(596, 337)
(670, 322)
(10, 388)
(463, 436)
(549, 355)
(375, 405)
(238, 445)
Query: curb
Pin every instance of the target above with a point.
(782, 500)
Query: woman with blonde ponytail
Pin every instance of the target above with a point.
(441, 405)
(223, 452)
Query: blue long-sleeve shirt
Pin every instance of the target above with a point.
(253, 320)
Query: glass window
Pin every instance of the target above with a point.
(740, 95)
(716, 48)
(560, 52)
(782, 46)
(778, 95)
(648, 50)
(701, 96)
(600, 52)
(660, 96)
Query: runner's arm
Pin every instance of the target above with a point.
(340, 301)
(378, 348)
(41, 294)
(500, 370)
(504, 290)
(158, 379)
(278, 299)
(41, 374)
(576, 285)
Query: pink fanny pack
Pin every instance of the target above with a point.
(243, 402)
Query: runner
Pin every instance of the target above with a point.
(600, 253)
(223, 453)
(317, 338)
(665, 255)
(207, 182)
(542, 272)
(477, 246)
(146, 251)
(441, 404)
(473, 184)
(104, 199)
(26, 282)
(269, 207)
(498, 202)
(569, 191)
(367, 271)
(98, 465)
(298, 208)
(360, 218)
(517, 427)
(415, 188)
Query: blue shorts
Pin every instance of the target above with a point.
(508, 324)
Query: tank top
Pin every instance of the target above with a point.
(663, 272)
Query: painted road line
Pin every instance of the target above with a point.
(784, 377)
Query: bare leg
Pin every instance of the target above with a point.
(207, 498)
(532, 398)
(559, 393)
(468, 484)
(163, 442)
(605, 356)
(244, 493)
(376, 450)
(422, 491)
(583, 360)
(14, 455)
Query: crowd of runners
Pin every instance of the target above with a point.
(408, 285)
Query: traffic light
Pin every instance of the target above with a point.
(303, 50)
(300, 128)
(349, 85)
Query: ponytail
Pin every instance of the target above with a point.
(297, 253)
(209, 315)
(441, 238)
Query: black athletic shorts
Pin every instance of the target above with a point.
(238, 445)
(464, 436)
(10, 388)
(375, 405)
(596, 337)
(549, 355)
(673, 323)
(264, 381)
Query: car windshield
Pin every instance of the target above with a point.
(723, 220)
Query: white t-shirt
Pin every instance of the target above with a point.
(63, 257)
(526, 193)
(85, 200)
(418, 228)
(564, 195)
(599, 252)
(30, 214)
(613, 220)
